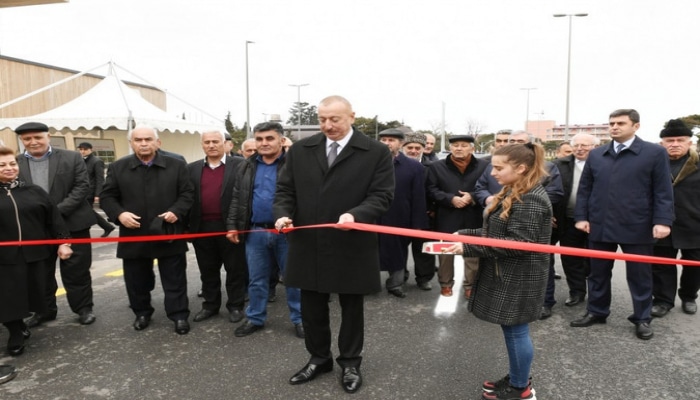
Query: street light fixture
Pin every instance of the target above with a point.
(527, 107)
(568, 70)
(249, 132)
(299, 86)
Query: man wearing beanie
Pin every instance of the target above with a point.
(63, 175)
(676, 138)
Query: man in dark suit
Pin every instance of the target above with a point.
(96, 175)
(338, 176)
(624, 198)
(576, 268)
(676, 138)
(62, 174)
(406, 211)
(213, 178)
(147, 193)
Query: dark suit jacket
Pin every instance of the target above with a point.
(195, 171)
(624, 195)
(96, 175)
(68, 187)
(566, 166)
(360, 182)
(147, 192)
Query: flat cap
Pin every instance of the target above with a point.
(85, 145)
(461, 138)
(392, 132)
(30, 127)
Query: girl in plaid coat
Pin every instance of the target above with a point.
(510, 286)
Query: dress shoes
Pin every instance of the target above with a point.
(557, 276)
(200, 293)
(142, 322)
(86, 316)
(272, 296)
(468, 293)
(299, 331)
(204, 314)
(573, 300)
(398, 292)
(38, 319)
(107, 232)
(446, 291)
(182, 327)
(659, 310)
(26, 333)
(689, 307)
(236, 315)
(247, 328)
(546, 312)
(15, 350)
(351, 379)
(588, 320)
(15, 345)
(644, 331)
(7, 373)
(310, 371)
(424, 286)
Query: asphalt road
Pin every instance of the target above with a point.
(410, 352)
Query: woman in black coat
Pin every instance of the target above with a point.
(510, 285)
(26, 213)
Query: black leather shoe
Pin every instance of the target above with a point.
(107, 232)
(557, 276)
(38, 319)
(7, 373)
(200, 293)
(588, 320)
(142, 322)
(236, 315)
(546, 312)
(299, 331)
(351, 380)
(659, 310)
(690, 307)
(573, 300)
(644, 331)
(15, 350)
(204, 314)
(246, 329)
(86, 317)
(26, 334)
(398, 292)
(310, 371)
(182, 327)
(424, 286)
(272, 296)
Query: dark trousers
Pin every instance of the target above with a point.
(140, 281)
(666, 277)
(211, 253)
(423, 264)
(639, 281)
(316, 320)
(75, 275)
(576, 269)
(103, 223)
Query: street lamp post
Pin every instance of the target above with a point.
(299, 86)
(568, 70)
(527, 106)
(249, 132)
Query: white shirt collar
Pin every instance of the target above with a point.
(341, 143)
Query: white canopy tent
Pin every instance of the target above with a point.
(110, 104)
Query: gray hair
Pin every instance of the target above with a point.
(596, 140)
(223, 136)
(142, 126)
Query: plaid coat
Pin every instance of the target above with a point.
(510, 285)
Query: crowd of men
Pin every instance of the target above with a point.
(625, 193)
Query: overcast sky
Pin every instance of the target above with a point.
(397, 59)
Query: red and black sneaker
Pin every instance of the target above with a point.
(493, 386)
(511, 393)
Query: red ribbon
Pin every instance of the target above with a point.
(390, 230)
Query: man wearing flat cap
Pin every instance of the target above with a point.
(96, 175)
(451, 184)
(406, 211)
(676, 138)
(63, 175)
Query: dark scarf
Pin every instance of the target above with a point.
(11, 185)
(460, 164)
